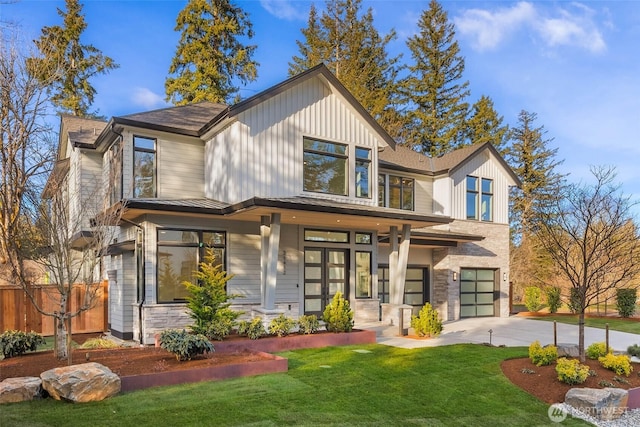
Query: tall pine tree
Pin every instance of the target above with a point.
(434, 91)
(346, 40)
(485, 125)
(210, 56)
(66, 65)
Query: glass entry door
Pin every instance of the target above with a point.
(325, 273)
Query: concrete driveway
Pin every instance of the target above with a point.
(509, 331)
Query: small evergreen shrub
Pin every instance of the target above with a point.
(620, 364)
(634, 350)
(571, 371)
(220, 327)
(281, 325)
(533, 298)
(93, 343)
(308, 324)
(596, 350)
(626, 302)
(554, 302)
(338, 315)
(16, 343)
(542, 356)
(427, 323)
(253, 328)
(184, 345)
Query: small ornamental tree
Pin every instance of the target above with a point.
(553, 298)
(427, 323)
(208, 301)
(338, 315)
(533, 298)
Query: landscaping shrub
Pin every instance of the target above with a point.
(634, 350)
(427, 323)
(626, 302)
(574, 301)
(554, 302)
(338, 315)
(619, 364)
(571, 371)
(208, 301)
(253, 328)
(281, 325)
(533, 298)
(16, 343)
(308, 324)
(542, 356)
(596, 350)
(92, 343)
(184, 345)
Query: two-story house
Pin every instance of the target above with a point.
(300, 194)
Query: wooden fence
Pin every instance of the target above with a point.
(18, 313)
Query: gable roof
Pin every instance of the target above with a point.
(404, 158)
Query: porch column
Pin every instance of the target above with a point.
(264, 254)
(272, 262)
(393, 266)
(400, 257)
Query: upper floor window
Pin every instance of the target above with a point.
(144, 167)
(399, 191)
(325, 167)
(115, 172)
(479, 198)
(363, 172)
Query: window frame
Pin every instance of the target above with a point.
(472, 194)
(369, 291)
(489, 198)
(115, 172)
(478, 196)
(384, 194)
(201, 249)
(363, 163)
(154, 151)
(335, 156)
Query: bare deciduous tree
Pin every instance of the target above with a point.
(589, 233)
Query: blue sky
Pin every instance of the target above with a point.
(575, 64)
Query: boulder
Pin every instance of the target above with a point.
(20, 389)
(568, 350)
(604, 404)
(88, 382)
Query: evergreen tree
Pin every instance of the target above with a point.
(210, 54)
(433, 90)
(66, 65)
(485, 125)
(346, 40)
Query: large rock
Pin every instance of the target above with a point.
(20, 389)
(88, 382)
(605, 404)
(568, 350)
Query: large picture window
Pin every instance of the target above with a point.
(144, 167)
(325, 167)
(179, 254)
(363, 172)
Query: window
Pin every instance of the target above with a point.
(479, 200)
(364, 238)
(325, 167)
(382, 190)
(486, 205)
(179, 254)
(399, 189)
(326, 236)
(363, 172)
(144, 167)
(115, 172)
(416, 286)
(472, 197)
(363, 274)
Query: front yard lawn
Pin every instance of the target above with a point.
(372, 385)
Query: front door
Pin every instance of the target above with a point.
(325, 273)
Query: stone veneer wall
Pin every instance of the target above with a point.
(492, 252)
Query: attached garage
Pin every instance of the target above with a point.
(477, 292)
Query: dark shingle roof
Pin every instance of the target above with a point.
(82, 131)
(185, 119)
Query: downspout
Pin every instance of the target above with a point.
(140, 284)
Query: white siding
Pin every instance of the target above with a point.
(442, 196)
(260, 154)
(482, 165)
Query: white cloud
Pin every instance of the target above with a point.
(146, 98)
(571, 26)
(490, 28)
(283, 9)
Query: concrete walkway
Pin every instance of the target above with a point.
(509, 331)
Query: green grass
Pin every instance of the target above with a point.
(377, 385)
(615, 323)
